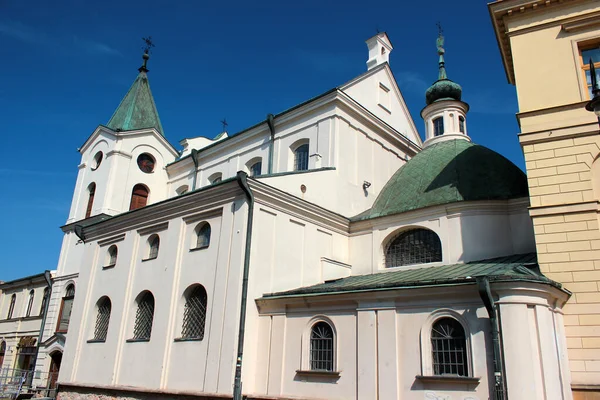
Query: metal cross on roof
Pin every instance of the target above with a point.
(149, 44)
(225, 124)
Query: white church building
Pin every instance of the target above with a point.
(324, 253)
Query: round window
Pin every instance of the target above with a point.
(146, 162)
(97, 160)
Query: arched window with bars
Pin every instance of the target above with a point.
(90, 203)
(103, 308)
(153, 247)
(194, 313)
(414, 246)
(144, 317)
(203, 232)
(11, 307)
(44, 301)
(139, 197)
(322, 347)
(449, 348)
(301, 157)
(30, 302)
(66, 308)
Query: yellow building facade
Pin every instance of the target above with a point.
(545, 47)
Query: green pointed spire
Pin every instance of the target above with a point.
(443, 88)
(137, 109)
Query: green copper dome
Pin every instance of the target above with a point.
(449, 172)
(443, 89)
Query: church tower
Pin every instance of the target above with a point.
(445, 112)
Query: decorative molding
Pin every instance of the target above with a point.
(114, 239)
(579, 23)
(448, 379)
(153, 229)
(218, 212)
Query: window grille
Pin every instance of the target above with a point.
(92, 193)
(102, 319)
(416, 246)
(70, 292)
(44, 300)
(449, 347)
(438, 126)
(144, 317)
(301, 158)
(321, 347)
(11, 308)
(30, 304)
(154, 243)
(66, 309)
(113, 252)
(256, 169)
(203, 235)
(194, 314)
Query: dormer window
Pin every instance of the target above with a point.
(438, 126)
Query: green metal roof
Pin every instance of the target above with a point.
(520, 267)
(137, 109)
(448, 172)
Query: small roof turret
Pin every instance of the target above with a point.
(137, 109)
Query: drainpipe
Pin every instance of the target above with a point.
(486, 295)
(237, 383)
(271, 124)
(195, 159)
(48, 279)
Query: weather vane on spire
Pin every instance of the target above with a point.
(440, 50)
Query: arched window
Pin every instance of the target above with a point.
(416, 246)
(144, 316)
(90, 204)
(153, 245)
(256, 168)
(2, 352)
(97, 160)
(65, 309)
(449, 348)
(102, 318)
(44, 301)
(139, 197)
(202, 235)
(461, 124)
(112, 254)
(215, 178)
(11, 307)
(30, 303)
(183, 189)
(194, 313)
(321, 347)
(301, 158)
(438, 126)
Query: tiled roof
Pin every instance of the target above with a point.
(520, 267)
(448, 172)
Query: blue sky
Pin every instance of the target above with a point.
(66, 65)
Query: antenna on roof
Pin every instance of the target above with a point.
(225, 124)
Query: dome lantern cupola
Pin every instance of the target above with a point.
(445, 112)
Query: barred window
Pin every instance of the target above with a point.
(65, 309)
(11, 307)
(438, 126)
(30, 304)
(416, 246)
(153, 245)
(321, 347)
(44, 301)
(144, 316)
(203, 235)
(102, 318)
(112, 255)
(194, 313)
(301, 158)
(449, 347)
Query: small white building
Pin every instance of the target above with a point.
(325, 253)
